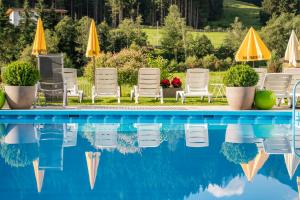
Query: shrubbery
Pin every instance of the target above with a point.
(240, 76)
(20, 73)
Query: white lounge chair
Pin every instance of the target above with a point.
(279, 83)
(148, 85)
(261, 74)
(196, 135)
(148, 134)
(70, 77)
(295, 78)
(106, 80)
(196, 85)
(105, 135)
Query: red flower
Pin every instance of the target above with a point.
(176, 82)
(165, 83)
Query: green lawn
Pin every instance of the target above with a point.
(215, 77)
(154, 36)
(248, 14)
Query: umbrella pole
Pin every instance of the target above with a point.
(94, 70)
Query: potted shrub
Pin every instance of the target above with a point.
(170, 92)
(20, 80)
(240, 82)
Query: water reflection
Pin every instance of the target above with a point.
(122, 163)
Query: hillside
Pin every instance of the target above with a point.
(248, 14)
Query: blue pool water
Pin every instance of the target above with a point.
(147, 155)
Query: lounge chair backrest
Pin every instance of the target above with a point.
(277, 82)
(261, 74)
(70, 77)
(196, 135)
(105, 135)
(296, 77)
(197, 80)
(51, 67)
(148, 81)
(106, 81)
(148, 134)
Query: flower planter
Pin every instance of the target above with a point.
(20, 97)
(170, 92)
(240, 98)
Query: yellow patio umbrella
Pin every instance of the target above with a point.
(92, 160)
(93, 48)
(39, 44)
(39, 175)
(252, 48)
(251, 168)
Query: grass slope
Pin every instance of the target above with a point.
(248, 14)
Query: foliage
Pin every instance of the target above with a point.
(193, 62)
(173, 32)
(277, 32)
(225, 51)
(161, 63)
(200, 46)
(277, 7)
(274, 64)
(103, 31)
(27, 57)
(19, 155)
(240, 76)
(234, 37)
(176, 82)
(20, 73)
(82, 28)
(239, 153)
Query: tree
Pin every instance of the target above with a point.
(200, 46)
(26, 26)
(174, 32)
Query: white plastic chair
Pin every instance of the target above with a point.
(196, 85)
(106, 84)
(70, 77)
(279, 83)
(261, 74)
(295, 78)
(148, 85)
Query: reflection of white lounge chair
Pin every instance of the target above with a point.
(279, 83)
(106, 135)
(148, 135)
(261, 74)
(277, 145)
(106, 84)
(148, 85)
(70, 77)
(196, 85)
(196, 135)
(240, 133)
(70, 134)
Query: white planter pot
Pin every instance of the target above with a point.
(240, 98)
(20, 97)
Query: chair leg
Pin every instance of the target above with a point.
(119, 100)
(161, 100)
(182, 99)
(136, 99)
(209, 99)
(93, 99)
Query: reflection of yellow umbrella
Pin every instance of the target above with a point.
(252, 48)
(298, 184)
(39, 44)
(93, 48)
(39, 175)
(291, 162)
(251, 168)
(92, 160)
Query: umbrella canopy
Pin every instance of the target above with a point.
(39, 44)
(292, 55)
(39, 175)
(252, 48)
(291, 162)
(251, 168)
(93, 48)
(92, 160)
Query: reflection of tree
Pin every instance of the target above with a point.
(19, 155)
(239, 152)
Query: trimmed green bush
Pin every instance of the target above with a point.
(2, 98)
(240, 76)
(239, 153)
(20, 73)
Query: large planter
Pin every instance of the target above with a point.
(170, 92)
(20, 97)
(240, 98)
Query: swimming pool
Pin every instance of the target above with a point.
(69, 154)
